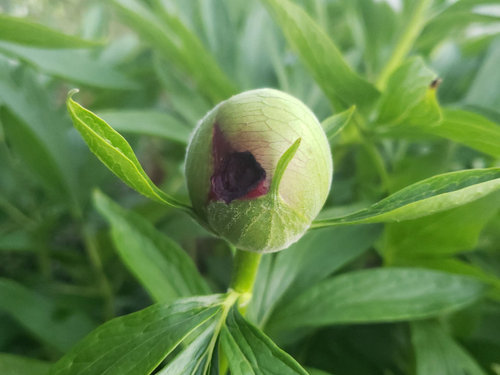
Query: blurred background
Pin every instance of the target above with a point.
(156, 68)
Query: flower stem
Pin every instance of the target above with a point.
(406, 40)
(246, 264)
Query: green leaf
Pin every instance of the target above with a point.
(321, 56)
(24, 31)
(196, 357)
(170, 37)
(427, 197)
(281, 166)
(147, 122)
(470, 129)
(75, 66)
(314, 257)
(456, 266)
(378, 295)
(39, 135)
(115, 152)
(406, 87)
(137, 343)
(444, 233)
(437, 353)
(249, 351)
(160, 264)
(334, 124)
(16, 365)
(41, 316)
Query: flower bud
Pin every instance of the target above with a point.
(231, 162)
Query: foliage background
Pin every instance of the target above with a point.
(62, 272)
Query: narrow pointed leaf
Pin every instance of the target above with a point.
(115, 152)
(24, 31)
(74, 66)
(172, 39)
(437, 353)
(250, 351)
(427, 197)
(160, 264)
(321, 56)
(285, 159)
(137, 343)
(378, 295)
(334, 124)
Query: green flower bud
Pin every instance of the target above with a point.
(231, 162)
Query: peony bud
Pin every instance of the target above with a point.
(231, 162)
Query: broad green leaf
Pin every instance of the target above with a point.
(115, 152)
(321, 56)
(249, 351)
(314, 257)
(147, 122)
(314, 371)
(137, 343)
(170, 37)
(160, 264)
(470, 129)
(24, 31)
(75, 66)
(427, 197)
(378, 295)
(444, 233)
(437, 353)
(457, 266)
(16, 365)
(42, 317)
(406, 87)
(334, 124)
(196, 357)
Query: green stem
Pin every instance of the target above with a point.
(246, 264)
(406, 40)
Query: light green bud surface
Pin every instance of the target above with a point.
(264, 122)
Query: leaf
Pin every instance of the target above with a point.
(249, 351)
(11, 364)
(196, 357)
(314, 257)
(437, 353)
(470, 129)
(334, 124)
(75, 66)
(406, 87)
(138, 342)
(484, 90)
(24, 31)
(281, 166)
(444, 233)
(115, 152)
(321, 56)
(160, 264)
(147, 122)
(170, 37)
(41, 316)
(38, 135)
(426, 197)
(377, 295)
